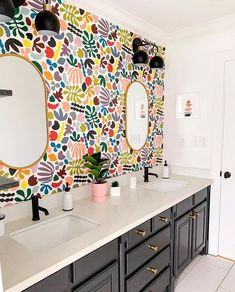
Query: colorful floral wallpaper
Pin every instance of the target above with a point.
(87, 69)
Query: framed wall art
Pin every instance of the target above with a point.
(188, 105)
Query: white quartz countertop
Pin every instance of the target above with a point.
(22, 267)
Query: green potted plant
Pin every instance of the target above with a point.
(115, 189)
(95, 164)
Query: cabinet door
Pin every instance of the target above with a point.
(183, 243)
(199, 229)
(105, 281)
(58, 282)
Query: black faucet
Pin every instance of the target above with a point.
(36, 208)
(147, 173)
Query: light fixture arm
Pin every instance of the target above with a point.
(137, 42)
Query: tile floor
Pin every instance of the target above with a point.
(207, 274)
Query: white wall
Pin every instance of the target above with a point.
(192, 67)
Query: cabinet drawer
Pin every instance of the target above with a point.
(105, 281)
(200, 197)
(147, 250)
(184, 206)
(93, 262)
(161, 283)
(161, 220)
(148, 272)
(138, 234)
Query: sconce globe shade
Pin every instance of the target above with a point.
(140, 58)
(7, 10)
(47, 23)
(156, 63)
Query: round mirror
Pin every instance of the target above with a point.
(23, 112)
(137, 113)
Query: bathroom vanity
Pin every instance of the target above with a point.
(143, 240)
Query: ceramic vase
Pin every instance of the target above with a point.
(115, 191)
(99, 192)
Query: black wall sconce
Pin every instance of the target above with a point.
(141, 57)
(46, 22)
(7, 9)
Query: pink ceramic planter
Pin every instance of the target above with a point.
(99, 192)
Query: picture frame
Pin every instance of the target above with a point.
(188, 106)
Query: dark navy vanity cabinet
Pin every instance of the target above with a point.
(191, 223)
(147, 258)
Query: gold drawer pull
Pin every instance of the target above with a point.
(163, 219)
(192, 216)
(140, 232)
(196, 214)
(152, 247)
(152, 270)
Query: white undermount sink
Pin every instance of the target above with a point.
(166, 185)
(49, 234)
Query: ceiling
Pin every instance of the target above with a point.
(171, 15)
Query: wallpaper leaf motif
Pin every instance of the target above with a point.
(89, 44)
(76, 167)
(74, 93)
(91, 116)
(103, 28)
(87, 69)
(17, 26)
(71, 14)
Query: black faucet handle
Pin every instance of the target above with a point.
(36, 208)
(39, 196)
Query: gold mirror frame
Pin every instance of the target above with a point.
(46, 111)
(126, 130)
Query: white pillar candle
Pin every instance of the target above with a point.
(132, 183)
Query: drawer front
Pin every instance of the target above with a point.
(200, 197)
(161, 220)
(148, 272)
(138, 234)
(93, 262)
(105, 281)
(184, 206)
(161, 283)
(147, 250)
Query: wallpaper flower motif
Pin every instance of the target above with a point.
(87, 69)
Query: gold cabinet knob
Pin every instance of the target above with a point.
(196, 214)
(163, 219)
(152, 270)
(152, 247)
(140, 232)
(192, 216)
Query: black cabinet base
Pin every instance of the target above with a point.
(145, 259)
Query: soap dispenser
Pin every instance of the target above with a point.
(165, 171)
(68, 199)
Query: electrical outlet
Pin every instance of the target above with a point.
(199, 141)
(182, 141)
